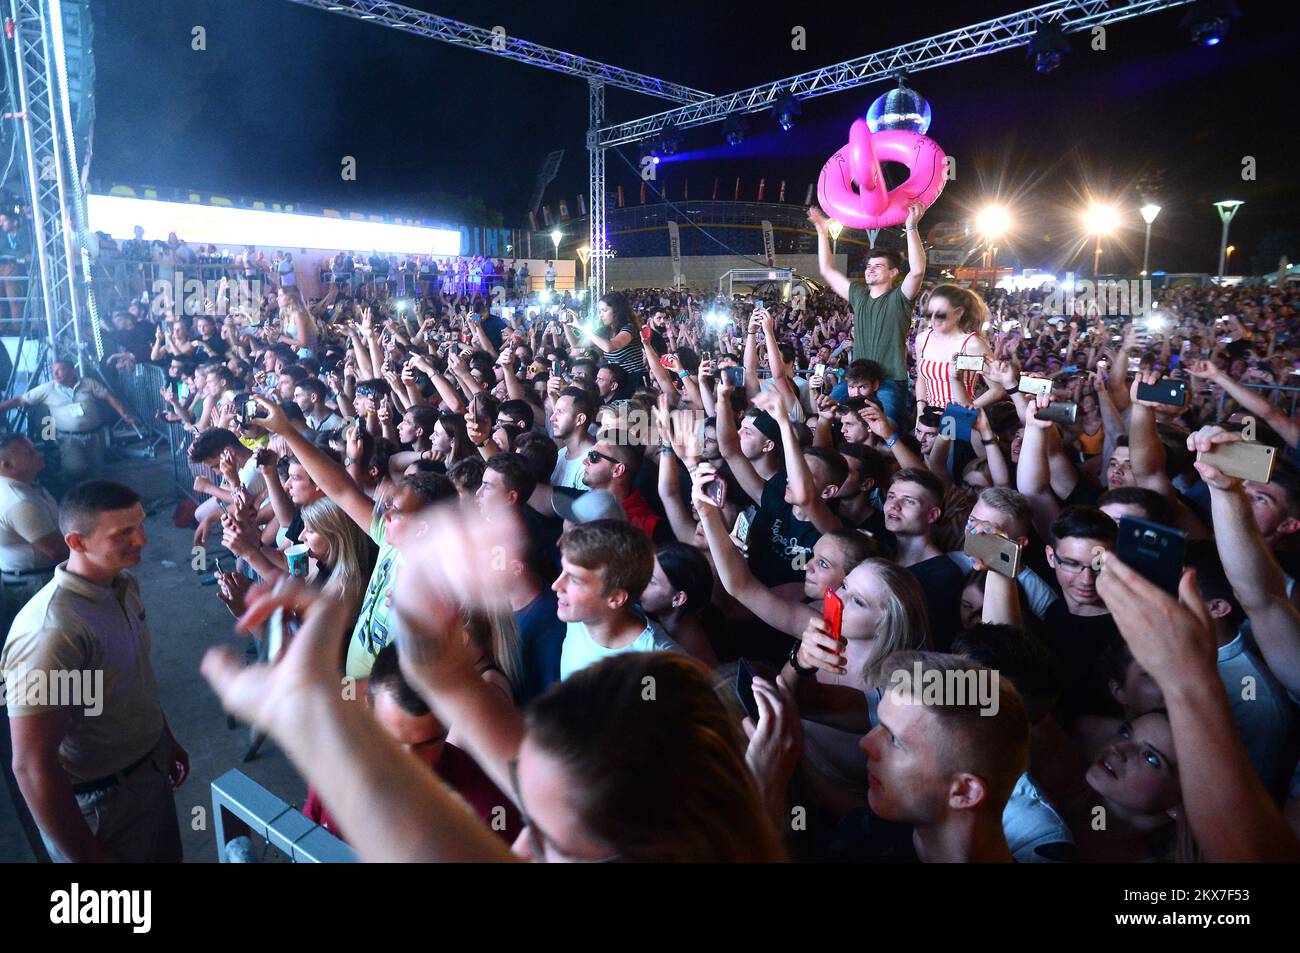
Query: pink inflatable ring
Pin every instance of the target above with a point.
(871, 204)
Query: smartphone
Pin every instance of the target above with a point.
(743, 521)
(1164, 391)
(735, 376)
(833, 612)
(1154, 551)
(1002, 555)
(716, 490)
(758, 304)
(666, 360)
(1063, 412)
(819, 370)
(252, 410)
(970, 362)
(555, 369)
(645, 334)
(1243, 460)
(745, 689)
(1035, 385)
(963, 421)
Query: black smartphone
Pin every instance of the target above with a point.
(1164, 391)
(1155, 552)
(745, 689)
(735, 376)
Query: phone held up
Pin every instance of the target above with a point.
(1155, 552)
(745, 689)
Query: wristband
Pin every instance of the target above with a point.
(683, 374)
(889, 444)
(1013, 389)
(794, 663)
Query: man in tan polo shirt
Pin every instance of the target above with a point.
(73, 403)
(30, 542)
(92, 752)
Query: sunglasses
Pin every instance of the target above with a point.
(595, 456)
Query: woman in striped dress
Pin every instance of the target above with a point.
(955, 317)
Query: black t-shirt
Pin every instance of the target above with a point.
(778, 542)
(863, 837)
(1078, 644)
(942, 583)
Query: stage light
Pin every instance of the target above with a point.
(993, 221)
(219, 225)
(734, 129)
(785, 110)
(1100, 219)
(670, 140)
(1047, 47)
(1208, 21)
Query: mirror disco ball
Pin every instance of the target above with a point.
(900, 108)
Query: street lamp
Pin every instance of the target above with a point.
(1149, 213)
(1227, 210)
(557, 236)
(1099, 220)
(834, 228)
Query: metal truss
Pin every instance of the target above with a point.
(60, 259)
(434, 27)
(596, 197)
(955, 46)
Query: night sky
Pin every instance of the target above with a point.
(283, 92)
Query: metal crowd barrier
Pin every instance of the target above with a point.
(235, 795)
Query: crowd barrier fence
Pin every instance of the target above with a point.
(235, 795)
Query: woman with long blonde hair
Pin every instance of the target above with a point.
(342, 557)
(838, 681)
(298, 324)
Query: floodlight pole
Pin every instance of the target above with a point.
(1227, 211)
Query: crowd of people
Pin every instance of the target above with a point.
(130, 265)
(701, 580)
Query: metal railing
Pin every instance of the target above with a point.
(237, 797)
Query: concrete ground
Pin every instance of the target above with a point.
(185, 618)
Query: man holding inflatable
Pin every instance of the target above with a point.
(882, 308)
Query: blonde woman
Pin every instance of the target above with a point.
(298, 324)
(837, 683)
(954, 319)
(340, 560)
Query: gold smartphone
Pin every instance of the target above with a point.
(1035, 385)
(1002, 555)
(1243, 460)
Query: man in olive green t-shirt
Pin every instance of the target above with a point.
(882, 309)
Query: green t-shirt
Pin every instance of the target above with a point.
(880, 327)
(372, 633)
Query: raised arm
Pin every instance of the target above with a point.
(803, 488)
(834, 278)
(729, 445)
(1230, 812)
(1257, 579)
(911, 286)
(331, 477)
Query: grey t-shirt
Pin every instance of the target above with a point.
(880, 327)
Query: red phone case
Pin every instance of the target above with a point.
(645, 334)
(833, 612)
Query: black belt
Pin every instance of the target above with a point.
(99, 784)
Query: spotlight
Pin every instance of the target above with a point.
(784, 111)
(1047, 47)
(734, 129)
(1208, 21)
(670, 140)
